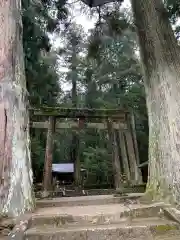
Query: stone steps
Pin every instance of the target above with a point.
(102, 222)
(101, 218)
(85, 215)
(141, 229)
(85, 200)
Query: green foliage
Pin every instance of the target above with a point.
(173, 8)
(41, 64)
(110, 79)
(97, 161)
(103, 70)
(113, 80)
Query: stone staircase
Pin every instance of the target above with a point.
(85, 200)
(98, 218)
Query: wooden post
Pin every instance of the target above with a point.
(136, 177)
(115, 156)
(133, 129)
(131, 157)
(77, 163)
(47, 181)
(124, 156)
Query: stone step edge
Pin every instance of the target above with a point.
(162, 226)
(141, 212)
(95, 222)
(42, 203)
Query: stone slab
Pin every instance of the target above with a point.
(98, 214)
(144, 230)
(85, 200)
(172, 214)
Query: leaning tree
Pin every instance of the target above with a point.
(15, 165)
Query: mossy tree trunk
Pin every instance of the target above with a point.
(16, 195)
(160, 55)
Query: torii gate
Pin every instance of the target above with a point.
(113, 120)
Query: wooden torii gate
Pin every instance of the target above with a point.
(119, 123)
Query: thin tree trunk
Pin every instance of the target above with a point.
(75, 137)
(15, 164)
(115, 156)
(47, 181)
(75, 158)
(160, 56)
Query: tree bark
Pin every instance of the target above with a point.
(160, 56)
(16, 195)
(115, 156)
(47, 181)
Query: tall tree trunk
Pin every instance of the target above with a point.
(90, 99)
(15, 164)
(160, 56)
(75, 137)
(47, 180)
